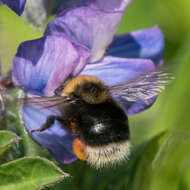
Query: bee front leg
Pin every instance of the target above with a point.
(49, 122)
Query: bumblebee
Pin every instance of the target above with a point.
(91, 114)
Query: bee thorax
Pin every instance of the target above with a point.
(89, 89)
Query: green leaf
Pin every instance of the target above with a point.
(170, 166)
(29, 173)
(6, 139)
(167, 169)
(141, 170)
(174, 112)
(27, 146)
(184, 173)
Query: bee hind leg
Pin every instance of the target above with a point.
(49, 122)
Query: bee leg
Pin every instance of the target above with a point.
(49, 122)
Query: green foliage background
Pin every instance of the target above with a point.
(160, 136)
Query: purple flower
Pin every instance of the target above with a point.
(81, 41)
(16, 5)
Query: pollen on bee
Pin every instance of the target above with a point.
(72, 124)
(79, 149)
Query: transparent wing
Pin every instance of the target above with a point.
(47, 102)
(144, 86)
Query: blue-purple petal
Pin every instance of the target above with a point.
(113, 71)
(16, 5)
(133, 108)
(147, 44)
(41, 65)
(104, 5)
(112, 5)
(56, 139)
(61, 5)
(82, 24)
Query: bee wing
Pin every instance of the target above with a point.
(46, 102)
(144, 86)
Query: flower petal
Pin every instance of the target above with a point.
(16, 5)
(113, 71)
(55, 139)
(133, 108)
(148, 44)
(60, 5)
(42, 65)
(82, 24)
(116, 5)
